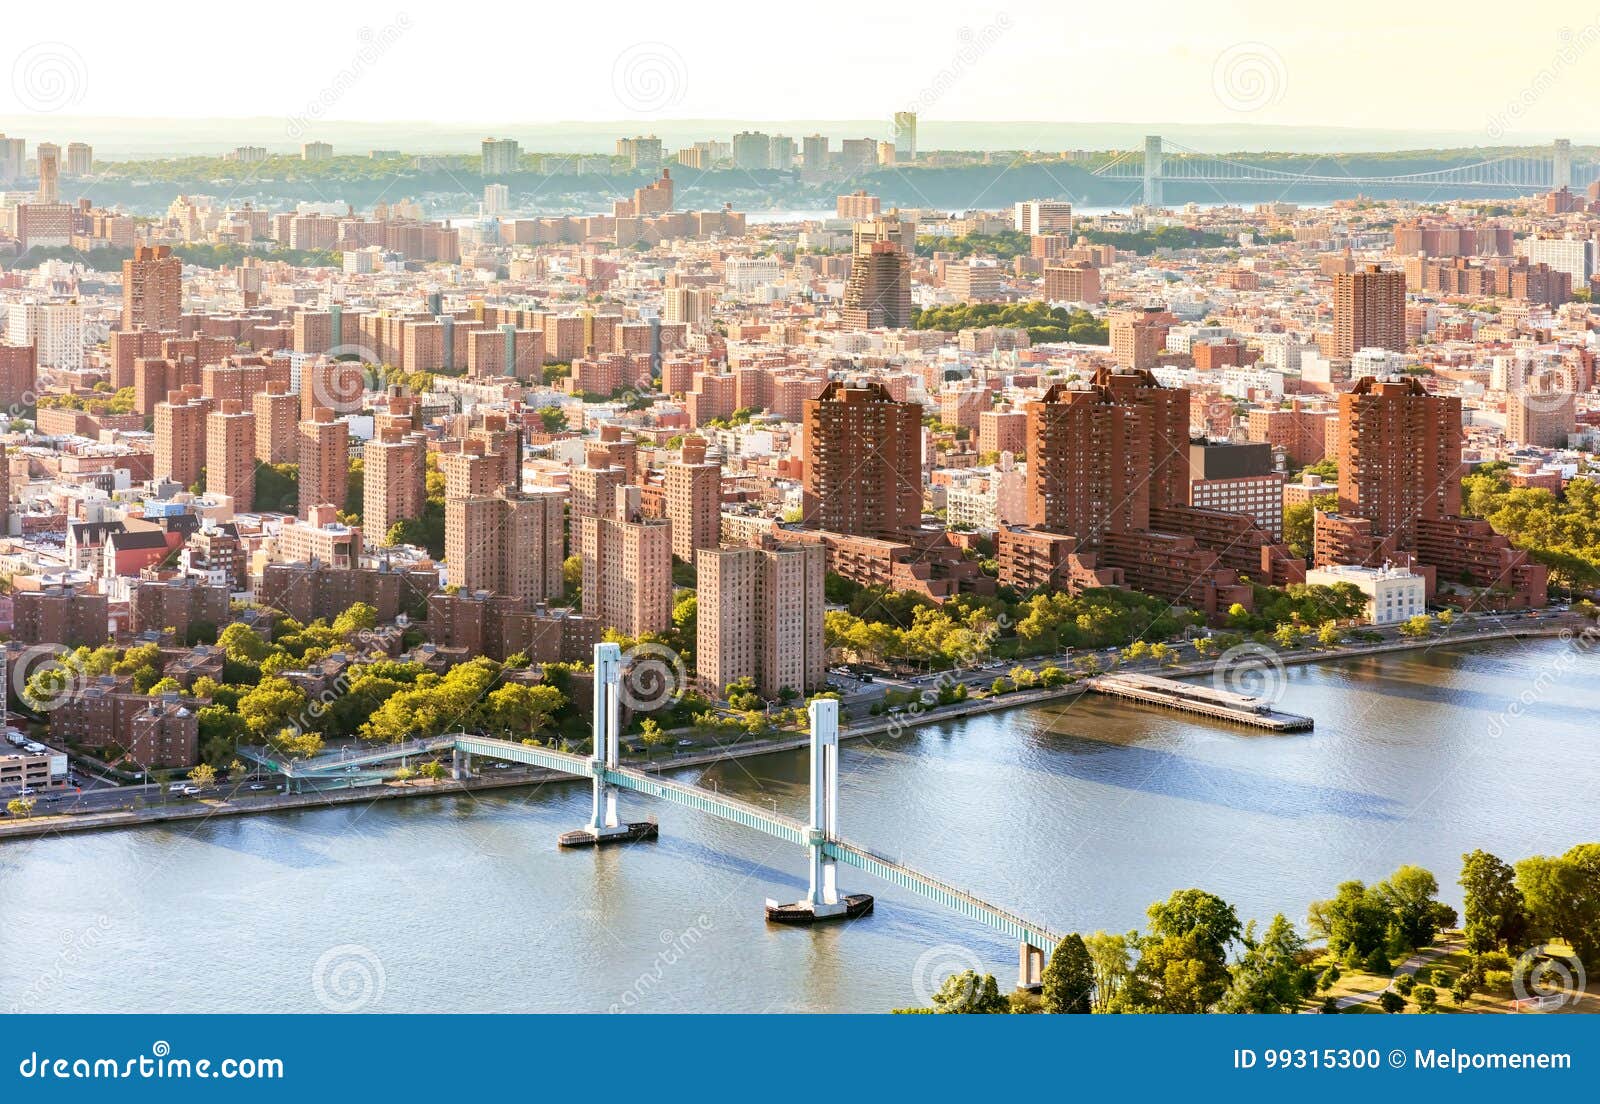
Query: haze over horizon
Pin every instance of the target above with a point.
(1246, 75)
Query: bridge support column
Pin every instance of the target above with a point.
(822, 901)
(605, 824)
(1152, 170)
(1030, 968)
(455, 764)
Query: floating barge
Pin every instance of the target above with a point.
(627, 833)
(800, 913)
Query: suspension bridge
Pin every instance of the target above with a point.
(818, 834)
(1518, 173)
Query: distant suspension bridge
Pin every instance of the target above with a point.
(1518, 173)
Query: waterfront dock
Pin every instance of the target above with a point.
(1203, 700)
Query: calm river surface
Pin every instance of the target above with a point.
(1077, 815)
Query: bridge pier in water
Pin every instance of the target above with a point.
(822, 901)
(605, 824)
(1030, 967)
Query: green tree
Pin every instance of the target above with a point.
(1391, 1002)
(203, 775)
(1069, 977)
(1562, 896)
(1269, 977)
(1493, 909)
(1409, 895)
(20, 806)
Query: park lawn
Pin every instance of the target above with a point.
(1453, 961)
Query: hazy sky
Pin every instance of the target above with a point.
(1525, 68)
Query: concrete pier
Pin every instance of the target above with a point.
(1203, 700)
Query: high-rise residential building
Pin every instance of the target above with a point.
(324, 447)
(1543, 413)
(752, 150)
(858, 154)
(688, 305)
(627, 567)
(1139, 336)
(858, 205)
(693, 495)
(316, 151)
(277, 414)
(1102, 455)
(180, 425)
(394, 481)
(48, 154)
(1042, 216)
(863, 462)
(152, 289)
(905, 134)
(1399, 455)
(54, 327)
(80, 160)
(760, 617)
(501, 156)
(508, 542)
(1369, 310)
(878, 290)
(1574, 256)
(782, 152)
(814, 152)
(13, 159)
(19, 376)
(231, 454)
(640, 152)
(496, 200)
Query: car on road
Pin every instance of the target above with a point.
(257, 786)
(686, 743)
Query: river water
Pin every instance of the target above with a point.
(1077, 815)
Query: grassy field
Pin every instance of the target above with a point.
(1443, 963)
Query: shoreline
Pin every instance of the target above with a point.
(62, 824)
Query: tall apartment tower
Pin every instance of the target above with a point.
(509, 542)
(1369, 311)
(1137, 336)
(1543, 413)
(231, 454)
(878, 289)
(80, 160)
(1399, 456)
(152, 289)
(905, 135)
(48, 155)
(324, 446)
(394, 486)
(277, 424)
(627, 567)
(863, 462)
(1101, 455)
(694, 506)
(180, 424)
(500, 156)
(761, 617)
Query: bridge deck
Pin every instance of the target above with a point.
(693, 797)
